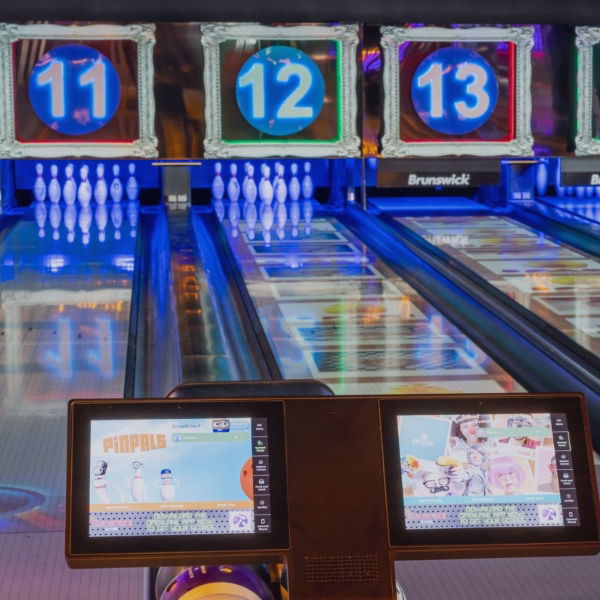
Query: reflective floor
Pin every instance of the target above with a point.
(65, 294)
(553, 280)
(333, 311)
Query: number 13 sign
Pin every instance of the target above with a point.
(454, 104)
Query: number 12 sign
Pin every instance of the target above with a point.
(280, 91)
(453, 97)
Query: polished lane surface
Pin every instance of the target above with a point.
(333, 311)
(551, 279)
(65, 292)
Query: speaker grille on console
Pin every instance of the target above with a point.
(352, 568)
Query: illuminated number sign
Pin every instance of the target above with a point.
(86, 90)
(452, 100)
(74, 89)
(280, 90)
(454, 90)
(587, 139)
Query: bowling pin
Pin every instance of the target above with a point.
(233, 214)
(580, 191)
(101, 220)
(41, 214)
(132, 217)
(250, 216)
(307, 212)
(294, 216)
(218, 187)
(70, 219)
(116, 188)
(116, 216)
(84, 191)
(598, 191)
(233, 187)
(54, 186)
(250, 190)
(133, 188)
(167, 485)
(589, 191)
(560, 189)
(308, 187)
(294, 187)
(281, 187)
(100, 485)
(265, 189)
(100, 189)
(85, 221)
(69, 188)
(39, 187)
(138, 487)
(55, 218)
(541, 177)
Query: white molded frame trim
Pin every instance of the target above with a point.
(394, 146)
(146, 146)
(585, 142)
(214, 146)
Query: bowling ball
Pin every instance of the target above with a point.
(217, 582)
(246, 480)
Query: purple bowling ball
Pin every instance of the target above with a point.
(216, 582)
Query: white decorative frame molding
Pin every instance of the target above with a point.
(146, 146)
(394, 146)
(214, 146)
(585, 142)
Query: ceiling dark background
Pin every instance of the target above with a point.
(579, 12)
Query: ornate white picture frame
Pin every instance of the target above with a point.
(392, 143)
(348, 144)
(146, 146)
(585, 142)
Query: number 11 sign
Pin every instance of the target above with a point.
(77, 90)
(457, 91)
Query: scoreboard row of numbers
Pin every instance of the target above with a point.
(281, 91)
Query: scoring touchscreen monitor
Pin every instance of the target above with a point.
(179, 477)
(486, 470)
(151, 479)
(490, 469)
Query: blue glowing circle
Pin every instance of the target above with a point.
(454, 90)
(74, 89)
(280, 90)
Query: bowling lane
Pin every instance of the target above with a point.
(65, 294)
(332, 310)
(587, 209)
(553, 280)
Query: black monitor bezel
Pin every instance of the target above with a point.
(82, 412)
(570, 404)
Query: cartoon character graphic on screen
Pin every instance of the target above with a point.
(137, 485)
(101, 485)
(466, 431)
(221, 425)
(445, 477)
(505, 473)
(409, 465)
(167, 485)
(520, 439)
(476, 471)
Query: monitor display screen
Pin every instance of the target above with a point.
(488, 469)
(157, 476)
(179, 477)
